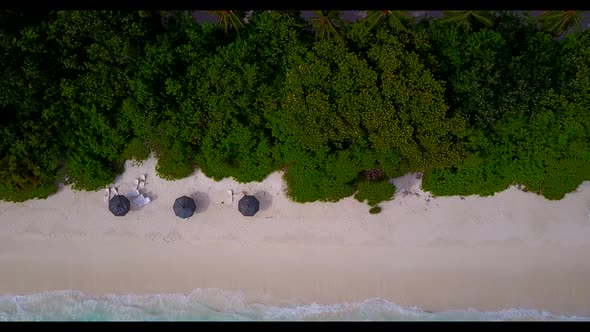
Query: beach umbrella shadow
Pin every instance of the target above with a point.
(202, 200)
(265, 199)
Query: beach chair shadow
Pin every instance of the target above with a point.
(149, 194)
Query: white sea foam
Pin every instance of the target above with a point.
(213, 304)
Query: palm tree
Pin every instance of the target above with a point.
(557, 22)
(465, 18)
(327, 23)
(395, 18)
(230, 18)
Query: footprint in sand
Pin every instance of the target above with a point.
(61, 228)
(130, 234)
(173, 236)
(228, 237)
(153, 236)
(31, 229)
(121, 233)
(444, 243)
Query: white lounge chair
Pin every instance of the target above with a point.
(141, 201)
(133, 193)
(146, 200)
(141, 183)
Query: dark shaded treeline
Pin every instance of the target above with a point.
(341, 107)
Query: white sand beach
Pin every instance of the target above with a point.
(511, 250)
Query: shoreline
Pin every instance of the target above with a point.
(463, 285)
(510, 250)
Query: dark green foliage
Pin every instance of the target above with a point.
(29, 154)
(549, 155)
(237, 91)
(18, 177)
(98, 54)
(474, 176)
(325, 176)
(86, 171)
(136, 150)
(385, 99)
(496, 74)
(374, 192)
(375, 210)
(495, 103)
(533, 122)
(174, 163)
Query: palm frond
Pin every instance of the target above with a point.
(236, 22)
(394, 17)
(464, 18)
(229, 18)
(327, 23)
(483, 17)
(374, 18)
(455, 16)
(559, 22)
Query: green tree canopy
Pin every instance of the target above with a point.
(388, 98)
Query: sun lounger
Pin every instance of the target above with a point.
(141, 201)
(146, 200)
(141, 180)
(133, 193)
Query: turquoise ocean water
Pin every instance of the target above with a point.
(218, 305)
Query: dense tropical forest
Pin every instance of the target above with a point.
(477, 101)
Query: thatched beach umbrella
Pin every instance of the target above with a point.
(119, 205)
(184, 207)
(248, 205)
